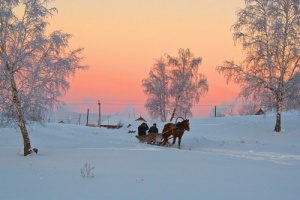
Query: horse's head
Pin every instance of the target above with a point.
(186, 124)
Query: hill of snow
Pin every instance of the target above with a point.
(221, 158)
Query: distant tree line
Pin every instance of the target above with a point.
(237, 107)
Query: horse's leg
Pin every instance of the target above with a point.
(179, 141)
(174, 140)
(165, 139)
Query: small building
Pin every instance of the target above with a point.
(260, 112)
(139, 120)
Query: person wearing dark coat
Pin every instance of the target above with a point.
(153, 129)
(142, 129)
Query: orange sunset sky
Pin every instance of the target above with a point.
(122, 38)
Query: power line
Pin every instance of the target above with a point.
(142, 102)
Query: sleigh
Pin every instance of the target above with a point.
(151, 138)
(170, 130)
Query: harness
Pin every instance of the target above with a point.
(174, 126)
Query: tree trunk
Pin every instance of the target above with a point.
(162, 115)
(21, 120)
(278, 116)
(278, 122)
(26, 140)
(173, 114)
(174, 111)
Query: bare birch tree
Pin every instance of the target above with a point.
(269, 32)
(34, 68)
(174, 85)
(187, 83)
(156, 88)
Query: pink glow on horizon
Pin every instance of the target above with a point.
(122, 38)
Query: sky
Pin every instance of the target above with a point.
(122, 39)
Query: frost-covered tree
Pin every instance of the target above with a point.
(34, 67)
(156, 88)
(269, 31)
(294, 88)
(224, 109)
(248, 106)
(187, 84)
(174, 84)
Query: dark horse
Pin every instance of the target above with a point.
(176, 130)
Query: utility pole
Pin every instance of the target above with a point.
(99, 121)
(215, 111)
(87, 117)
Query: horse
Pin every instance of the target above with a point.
(176, 130)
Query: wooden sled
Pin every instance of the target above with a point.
(151, 138)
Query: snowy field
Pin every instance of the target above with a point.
(221, 158)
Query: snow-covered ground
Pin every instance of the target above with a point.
(221, 158)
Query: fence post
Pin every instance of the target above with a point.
(99, 120)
